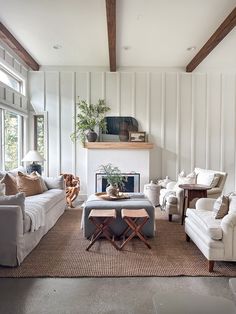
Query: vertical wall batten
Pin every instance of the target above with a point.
(177, 125)
(221, 125)
(59, 122)
(74, 147)
(207, 121)
(148, 104)
(133, 94)
(192, 124)
(163, 90)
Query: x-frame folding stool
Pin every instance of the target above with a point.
(135, 219)
(102, 218)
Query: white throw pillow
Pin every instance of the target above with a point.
(205, 178)
(189, 179)
(55, 183)
(18, 199)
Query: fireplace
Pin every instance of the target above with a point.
(131, 183)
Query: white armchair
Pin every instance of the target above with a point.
(215, 238)
(172, 197)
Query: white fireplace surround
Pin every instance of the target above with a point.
(127, 160)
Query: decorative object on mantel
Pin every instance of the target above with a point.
(33, 156)
(89, 117)
(137, 136)
(114, 178)
(105, 196)
(118, 128)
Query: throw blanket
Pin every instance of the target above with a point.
(37, 216)
(169, 193)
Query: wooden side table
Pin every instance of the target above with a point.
(192, 191)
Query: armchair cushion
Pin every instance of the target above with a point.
(206, 222)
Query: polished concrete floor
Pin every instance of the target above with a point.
(116, 295)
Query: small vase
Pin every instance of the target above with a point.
(112, 191)
(91, 136)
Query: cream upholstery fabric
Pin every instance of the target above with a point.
(206, 222)
(214, 237)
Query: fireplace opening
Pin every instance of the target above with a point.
(131, 183)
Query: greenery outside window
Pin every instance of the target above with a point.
(11, 139)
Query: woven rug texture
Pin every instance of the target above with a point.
(61, 253)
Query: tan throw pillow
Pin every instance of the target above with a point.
(10, 184)
(28, 185)
(221, 207)
(43, 184)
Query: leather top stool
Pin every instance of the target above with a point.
(135, 219)
(102, 218)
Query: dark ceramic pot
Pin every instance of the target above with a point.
(91, 136)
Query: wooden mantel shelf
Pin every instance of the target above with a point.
(118, 145)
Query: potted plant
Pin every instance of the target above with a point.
(87, 118)
(114, 179)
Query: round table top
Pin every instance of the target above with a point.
(198, 187)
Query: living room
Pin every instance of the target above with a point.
(157, 62)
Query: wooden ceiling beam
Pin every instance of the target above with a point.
(222, 31)
(111, 30)
(13, 43)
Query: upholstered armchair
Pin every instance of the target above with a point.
(215, 238)
(172, 197)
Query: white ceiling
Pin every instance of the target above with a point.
(156, 32)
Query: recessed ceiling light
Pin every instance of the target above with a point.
(192, 48)
(57, 47)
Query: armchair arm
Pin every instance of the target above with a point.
(214, 192)
(205, 203)
(11, 232)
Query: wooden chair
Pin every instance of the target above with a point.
(135, 219)
(72, 188)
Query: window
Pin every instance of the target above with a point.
(39, 131)
(11, 139)
(10, 80)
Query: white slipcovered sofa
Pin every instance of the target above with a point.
(18, 236)
(216, 238)
(173, 197)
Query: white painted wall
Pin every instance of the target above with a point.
(191, 118)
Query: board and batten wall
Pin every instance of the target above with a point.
(191, 118)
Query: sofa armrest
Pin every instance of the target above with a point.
(228, 226)
(11, 232)
(171, 185)
(205, 203)
(55, 182)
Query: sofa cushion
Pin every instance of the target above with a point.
(45, 200)
(205, 220)
(221, 206)
(30, 185)
(189, 179)
(10, 184)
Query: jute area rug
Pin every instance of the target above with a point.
(61, 253)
